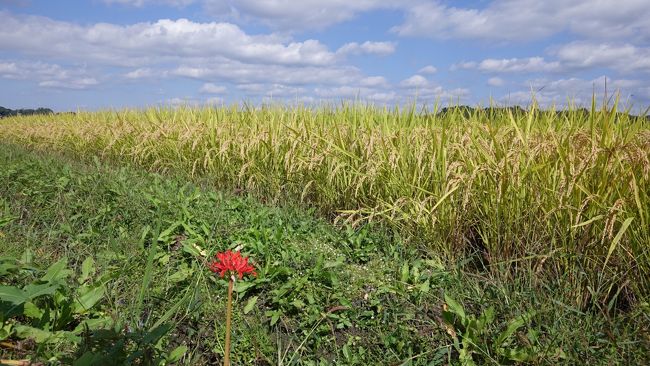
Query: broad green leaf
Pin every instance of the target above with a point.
(486, 318)
(333, 264)
(13, 295)
(405, 273)
(177, 353)
(250, 304)
(87, 270)
(275, 316)
(6, 267)
(242, 286)
(424, 287)
(87, 300)
(455, 307)
(30, 310)
(154, 335)
(180, 275)
(5, 331)
(57, 271)
(514, 324)
(39, 335)
(298, 304)
(27, 256)
(33, 291)
(518, 354)
(89, 359)
(93, 324)
(193, 249)
(164, 236)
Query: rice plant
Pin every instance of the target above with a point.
(561, 196)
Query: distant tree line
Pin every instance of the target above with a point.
(6, 112)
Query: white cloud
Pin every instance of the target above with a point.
(530, 64)
(141, 3)
(429, 69)
(181, 102)
(271, 90)
(295, 15)
(244, 73)
(210, 52)
(210, 88)
(415, 81)
(620, 57)
(257, 88)
(417, 87)
(574, 85)
(495, 81)
(368, 47)
(361, 93)
(10, 70)
(47, 75)
(81, 83)
(624, 58)
(374, 81)
(144, 73)
(146, 43)
(579, 91)
(214, 101)
(510, 20)
(501, 20)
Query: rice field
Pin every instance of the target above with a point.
(553, 198)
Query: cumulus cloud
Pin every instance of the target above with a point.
(368, 47)
(212, 52)
(530, 64)
(374, 81)
(429, 69)
(521, 20)
(415, 81)
(181, 102)
(501, 20)
(211, 88)
(144, 73)
(620, 57)
(271, 90)
(417, 87)
(141, 3)
(146, 43)
(495, 81)
(361, 93)
(623, 58)
(295, 15)
(77, 83)
(244, 73)
(47, 75)
(214, 101)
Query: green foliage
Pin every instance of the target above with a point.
(52, 310)
(471, 335)
(323, 295)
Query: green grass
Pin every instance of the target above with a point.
(324, 295)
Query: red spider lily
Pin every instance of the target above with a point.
(231, 262)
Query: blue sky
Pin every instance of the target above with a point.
(134, 53)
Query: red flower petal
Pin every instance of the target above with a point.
(233, 263)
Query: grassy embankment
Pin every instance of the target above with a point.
(540, 211)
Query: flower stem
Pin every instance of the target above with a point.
(226, 358)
